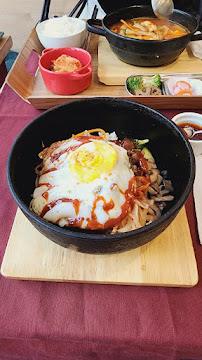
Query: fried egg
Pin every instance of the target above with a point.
(83, 182)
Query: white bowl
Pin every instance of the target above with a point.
(57, 40)
(191, 118)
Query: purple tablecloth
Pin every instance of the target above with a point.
(44, 320)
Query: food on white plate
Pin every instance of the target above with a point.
(180, 85)
(62, 26)
(65, 63)
(98, 182)
(149, 29)
(144, 85)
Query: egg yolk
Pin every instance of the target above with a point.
(87, 163)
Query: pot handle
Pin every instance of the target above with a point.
(82, 75)
(46, 50)
(92, 28)
(196, 37)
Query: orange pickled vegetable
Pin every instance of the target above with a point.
(185, 92)
(183, 82)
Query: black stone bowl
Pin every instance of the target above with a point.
(167, 143)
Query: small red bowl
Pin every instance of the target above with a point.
(66, 83)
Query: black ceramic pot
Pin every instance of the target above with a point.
(145, 52)
(190, 6)
(167, 143)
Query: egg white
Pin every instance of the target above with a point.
(64, 185)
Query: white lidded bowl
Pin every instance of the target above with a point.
(191, 118)
(62, 32)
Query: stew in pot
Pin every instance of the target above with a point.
(149, 29)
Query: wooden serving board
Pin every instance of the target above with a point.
(112, 71)
(33, 90)
(168, 260)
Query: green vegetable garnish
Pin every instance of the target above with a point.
(142, 83)
(147, 154)
(154, 80)
(135, 83)
(140, 143)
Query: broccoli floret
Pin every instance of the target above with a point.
(156, 80)
(135, 83)
(153, 80)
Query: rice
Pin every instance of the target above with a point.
(62, 26)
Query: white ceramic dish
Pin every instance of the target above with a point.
(57, 41)
(191, 118)
(170, 83)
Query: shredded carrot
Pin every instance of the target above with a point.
(91, 131)
(146, 37)
(38, 167)
(127, 25)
